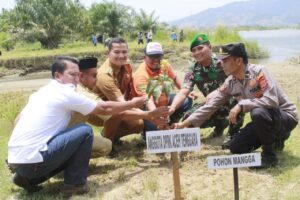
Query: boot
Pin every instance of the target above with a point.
(227, 141)
(69, 190)
(114, 152)
(220, 127)
(25, 183)
(142, 142)
(268, 157)
(232, 131)
(280, 139)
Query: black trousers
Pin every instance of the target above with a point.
(266, 127)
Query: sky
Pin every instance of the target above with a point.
(166, 10)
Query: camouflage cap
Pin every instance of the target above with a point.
(233, 49)
(198, 39)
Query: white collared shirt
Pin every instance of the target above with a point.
(47, 113)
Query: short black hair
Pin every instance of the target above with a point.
(59, 65)
(117, 40)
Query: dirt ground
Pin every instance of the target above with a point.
(136, 174)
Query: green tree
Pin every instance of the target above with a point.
(7, 40)
(111, 18)
(48, 21)
(146, 22)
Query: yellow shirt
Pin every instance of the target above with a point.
(79, 118)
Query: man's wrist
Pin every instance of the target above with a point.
(183, 124)
(132, 104)
(241, 107)
(186, 123)
(147, 115)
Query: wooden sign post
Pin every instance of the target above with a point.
(234, 161)
(174, 141)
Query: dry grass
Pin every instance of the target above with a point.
(135, 174)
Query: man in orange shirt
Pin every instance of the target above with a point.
(153, 66)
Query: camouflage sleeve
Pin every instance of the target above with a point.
(188, 81)
(219, 97)
(268, 98)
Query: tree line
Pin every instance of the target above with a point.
(51, 22)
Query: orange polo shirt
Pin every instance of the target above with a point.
(143, 73)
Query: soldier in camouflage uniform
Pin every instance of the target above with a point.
(207, 74)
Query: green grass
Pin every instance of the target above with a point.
(217, 36)
(10, 105)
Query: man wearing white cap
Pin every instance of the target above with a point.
(154, 65)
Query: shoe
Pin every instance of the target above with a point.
(215, 134)
(267, 162)
(118, 142)
(24, 183)
(268, 157)
(227, 141)
(279, 141)
(113, 153)
(279, 145)
(68, 190)
(142, 142)
(219, 129)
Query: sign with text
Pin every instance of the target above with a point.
(234, 161)
(174, 140)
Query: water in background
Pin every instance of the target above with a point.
(281, 44)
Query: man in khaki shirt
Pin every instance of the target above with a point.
(114, 83)
(273, 116)
(87, 80)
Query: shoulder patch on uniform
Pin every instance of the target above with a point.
(262, 81)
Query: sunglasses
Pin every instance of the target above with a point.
(155, 56)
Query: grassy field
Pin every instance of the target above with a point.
(135, 174)
(217, 36)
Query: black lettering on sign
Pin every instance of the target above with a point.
(176, 141)
(222, 161)
(244, 159)
(189, 140)
(155, 142)
(167, 142)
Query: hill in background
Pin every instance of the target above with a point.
(249, 13)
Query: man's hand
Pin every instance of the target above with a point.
(160, 121)
(233, 113)
(178, 125)
(139, 102)
(194, 95)
(162, 111)
(159, 116)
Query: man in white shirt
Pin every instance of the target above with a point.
(41, 145)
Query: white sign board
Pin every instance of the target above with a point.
(174, 140)
(234, 161)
